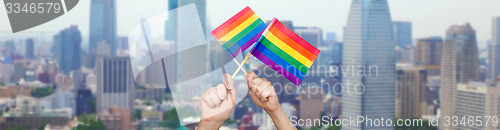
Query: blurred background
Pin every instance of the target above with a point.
(397, 59)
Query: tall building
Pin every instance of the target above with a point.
(313, 35)
(83, 101)
(429, 51)
(10, 48)
(405, 55)
(495, 50)
(477, 99)
(103, 26)
(172, 22)
(368, 42)
(331, 36)
(459, 64)
(70, 40)
(30, 48)
(410, 92)
(402, 33)
(115, 83)
(6, 73)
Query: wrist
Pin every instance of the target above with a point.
(209, 125)
(275, 111)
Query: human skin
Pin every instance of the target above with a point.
(263, 95)
(217, 103)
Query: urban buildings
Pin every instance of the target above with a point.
(495, 51)
(84, 102)
(403, 33)
(313, 35)
(64, 99)
(69, 49)
(459, 64)
(30, 48)
(115, 83)
(6, 73)
(311, 97)
(369, 42)
(405, 55)
(171, 24)
(103, 27)
(331, 36)
(116, 118)
(10, 49)
(429, 51)
(410, 92)
(30, 115)
(151, 119)
(477, 99)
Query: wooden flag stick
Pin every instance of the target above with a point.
(235, 61)
(241, 65)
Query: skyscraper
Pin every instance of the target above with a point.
(102, 26)
(10, 48)
(201, 7)
(410, 91)
(429, 51)
(69, 49)
(30, 48)
(172, 21)
(115, 83)
(495, 50)
(402, 33)
(369, 42)
(459, 64)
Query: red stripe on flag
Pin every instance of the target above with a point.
(234, 21)
(277, 24)
(306, 53)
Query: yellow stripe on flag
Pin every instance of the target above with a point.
(239, 28)
(290, 51)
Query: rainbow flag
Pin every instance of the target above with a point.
(285, 52)
(239, 32)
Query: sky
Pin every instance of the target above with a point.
(429, 17)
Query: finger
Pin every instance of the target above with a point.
(228, 81)
(215, 99)
(255, 83)
(250, 77)
(263, 86)
(225, 80)
(207, 99)
(221, 91)
(266, 93)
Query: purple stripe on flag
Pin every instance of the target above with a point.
(276, 67)
(235, 53)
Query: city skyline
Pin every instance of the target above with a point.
(429, 22)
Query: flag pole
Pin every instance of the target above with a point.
(237, 63)
(240, 66)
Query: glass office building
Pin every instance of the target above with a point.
(369, 51)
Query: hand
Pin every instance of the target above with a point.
(263, 95)
(262, 92)
(217, 104)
